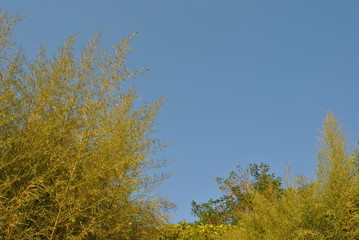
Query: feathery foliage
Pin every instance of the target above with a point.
(326, 208)
(74, 151)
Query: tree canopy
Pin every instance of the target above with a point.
(260, 207)
(75, 152)
(237, 189)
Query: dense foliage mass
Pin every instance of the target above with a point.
(74, 151)
(75, 155)
(237, 190)
(326, 207)
(186, 231)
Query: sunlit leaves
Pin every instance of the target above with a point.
(238, 189)
(325, 208)
(74, 151)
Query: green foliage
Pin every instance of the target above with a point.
(74, 151)
(75, 156)
(356, 158)
(237, 191)
(326, 208)
(187, 231)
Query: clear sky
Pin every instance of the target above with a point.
(247, 81)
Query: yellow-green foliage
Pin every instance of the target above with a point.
(186, 231)
(74, 152)
(326, 208)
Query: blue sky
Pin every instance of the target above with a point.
(246, 81)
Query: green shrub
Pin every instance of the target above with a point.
(187, 231)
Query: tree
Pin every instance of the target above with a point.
(237, 190)
(74, 151)
(325, 208)
(356, 157)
